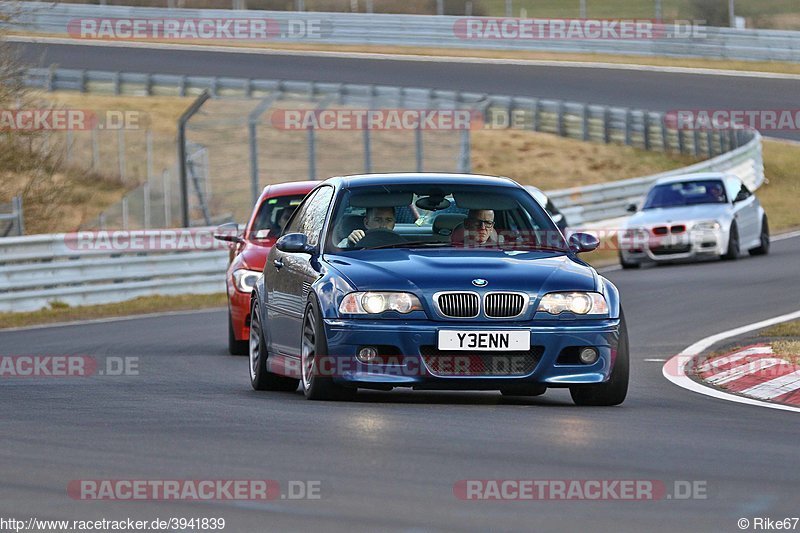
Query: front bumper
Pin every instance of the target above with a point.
(687, 246)
(552, 344)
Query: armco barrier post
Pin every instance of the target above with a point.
(194, 108)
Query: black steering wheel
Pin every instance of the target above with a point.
(379, 237)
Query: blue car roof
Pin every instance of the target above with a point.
(359, 180)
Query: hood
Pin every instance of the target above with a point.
(669, 215)
(431, 271)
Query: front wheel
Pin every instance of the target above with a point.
(235, 346)
(763, 248)
(313, 363)
(260, 377)
(613, 391)
(733, 244)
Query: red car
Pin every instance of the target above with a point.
(271, 212)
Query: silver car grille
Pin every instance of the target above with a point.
(458, 304)
(504, 304)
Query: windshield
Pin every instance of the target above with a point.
(273, 215)
(445, 215)
(686, 193)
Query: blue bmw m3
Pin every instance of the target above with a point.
(434, 281)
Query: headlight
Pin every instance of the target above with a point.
(711, 225)
(245, 280)
(373, 303)
(580, 303)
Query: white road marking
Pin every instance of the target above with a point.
(654, 360)
(776, 387)
(680, 361)
(726, 376)
(406, 57)
(720, 361)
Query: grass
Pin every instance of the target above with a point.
(786, 329)
(789, 350)
(779, 196)
(60, 312)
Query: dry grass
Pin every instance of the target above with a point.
(551, 162)
(789, 350)
(779, 196)
(144, 305)
(786, 329)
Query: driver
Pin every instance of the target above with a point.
(376, 218)
(716, 193)
(480, 225)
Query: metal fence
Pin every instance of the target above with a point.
(235, 148)
(87, 269)
(11, 218)
(435, 31)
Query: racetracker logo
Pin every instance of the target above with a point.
(725, 119)
(192, 489)
(144, 240)
(577, 489)
(574, 29)
(64, 366)
(376, 119)
(242, 29)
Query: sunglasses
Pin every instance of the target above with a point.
(474, 223)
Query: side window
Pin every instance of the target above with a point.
(744, 191)
(314, 214)
(295, 225)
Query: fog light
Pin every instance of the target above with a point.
(588, 356)
(367, 354)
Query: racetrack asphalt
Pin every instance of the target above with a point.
(644, 89)
(390, 459)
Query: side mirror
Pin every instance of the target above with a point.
(228, 232)
(583, 242)
(631, 208)
(295, 243)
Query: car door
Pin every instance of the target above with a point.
(746, 214)
(290, 275)
(277, 286)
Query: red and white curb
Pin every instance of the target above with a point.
(752, 373)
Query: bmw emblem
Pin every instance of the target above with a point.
(480, 282)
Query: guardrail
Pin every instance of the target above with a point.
(12, 223)
(432, 31)
(107, 267)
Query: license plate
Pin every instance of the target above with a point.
(488, 341)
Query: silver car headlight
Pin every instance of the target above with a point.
(580, 303)
(709, 225)
(373, 303)
(245, 280)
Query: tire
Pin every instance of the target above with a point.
(763, 249)
(314, 343)
(260, 377)
(236, 347)
(613, 391)
(524, 390)
(627, 264)
(732, 252)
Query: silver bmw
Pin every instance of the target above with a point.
(694, 216)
